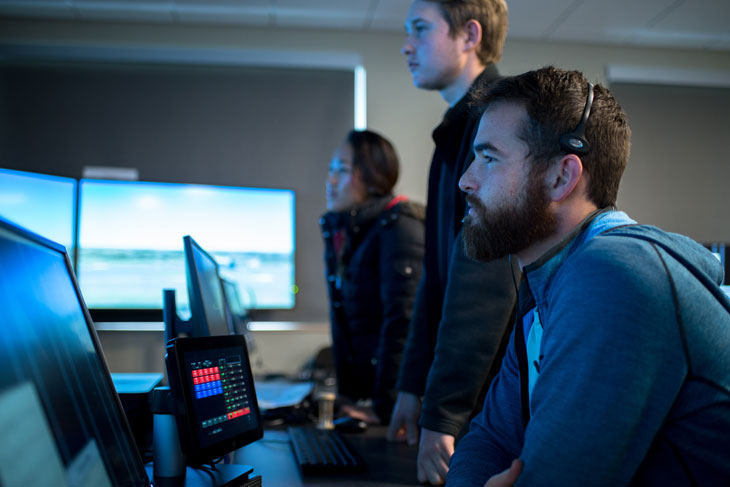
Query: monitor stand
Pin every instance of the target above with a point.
(224, 475)
(174, 325)
(171, 470)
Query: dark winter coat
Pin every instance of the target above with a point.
(373, 258)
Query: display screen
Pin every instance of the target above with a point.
(223, 400)
(130, 241)
(212, 377)
(41, 203)
(57, 401)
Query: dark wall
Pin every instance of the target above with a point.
(679, 170)
(240, 126)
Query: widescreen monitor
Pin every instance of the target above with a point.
(61, 420)
(42, 203)
(130, 231)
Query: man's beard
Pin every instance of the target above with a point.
(497, 232)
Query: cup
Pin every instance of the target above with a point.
(326, 404)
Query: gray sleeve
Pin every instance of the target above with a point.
(475, 324)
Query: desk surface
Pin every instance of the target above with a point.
(389, 464)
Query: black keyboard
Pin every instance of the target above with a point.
(323, 452)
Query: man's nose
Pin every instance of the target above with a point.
(407, 48)
(466, 182)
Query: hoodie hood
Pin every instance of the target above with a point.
(691, 254)
(608, 223)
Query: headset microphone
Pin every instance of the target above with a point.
(575, 142)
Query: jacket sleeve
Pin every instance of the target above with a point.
(401, 254)
(496, 434)
(475, 325)
(612, 363)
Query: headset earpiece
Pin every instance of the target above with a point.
(575, 142)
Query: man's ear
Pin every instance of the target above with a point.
(472, 34)
(564, 176)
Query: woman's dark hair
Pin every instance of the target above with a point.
(374, 157)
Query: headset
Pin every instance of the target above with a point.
(575, 142)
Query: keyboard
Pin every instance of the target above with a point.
(323, 452)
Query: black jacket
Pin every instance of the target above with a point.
(462, 315)
(372, 285)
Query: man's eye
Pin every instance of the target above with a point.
(486, 157)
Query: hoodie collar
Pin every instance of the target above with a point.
(540, 272)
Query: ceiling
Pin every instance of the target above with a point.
(690, 24)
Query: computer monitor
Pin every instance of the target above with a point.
(209, 312)
(239, 311)
(211, 380)
(62, 421)
(129, 243)
(41, 203)
(241, 319)
(207, 300)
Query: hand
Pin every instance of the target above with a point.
(434, 454)
(362, 413)
(508, 477)
(404, 421)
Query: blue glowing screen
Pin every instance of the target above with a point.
(131, 246)
(41, 203)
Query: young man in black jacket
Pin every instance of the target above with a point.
(463, 309)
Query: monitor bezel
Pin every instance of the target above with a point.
(182, 386)
(117, 404)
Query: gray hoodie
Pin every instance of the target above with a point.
(632, 377)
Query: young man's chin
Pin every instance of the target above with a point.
(425, 83)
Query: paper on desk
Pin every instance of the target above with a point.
(280, 394)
